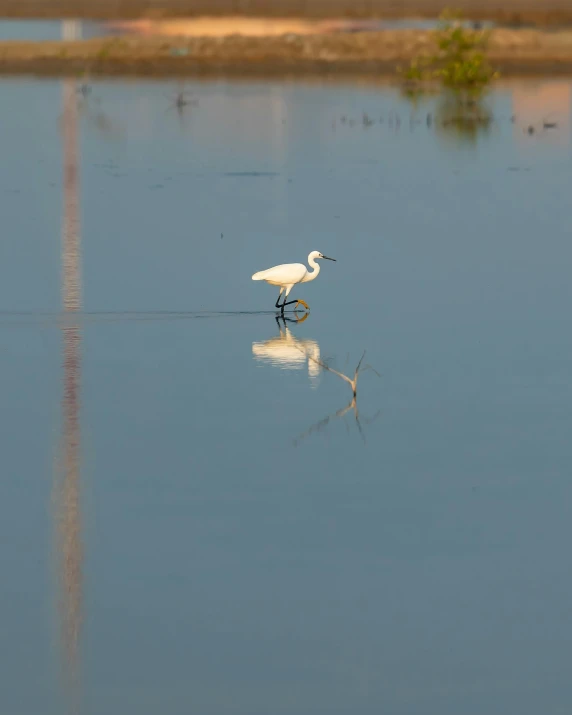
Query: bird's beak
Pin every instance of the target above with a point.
(328, 258)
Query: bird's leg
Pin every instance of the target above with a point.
(277, 304)
(286, 290)
(298, 300)
(291, 302)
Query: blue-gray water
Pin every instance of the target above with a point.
(46, 29)
(181, 528)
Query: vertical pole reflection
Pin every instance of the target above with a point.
(67, 482)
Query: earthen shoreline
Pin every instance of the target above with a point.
(512, 11)
(514, 52)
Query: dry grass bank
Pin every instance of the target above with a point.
(523, 11)
(513, 51)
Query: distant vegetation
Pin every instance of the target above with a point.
(459, 61)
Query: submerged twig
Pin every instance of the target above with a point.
(182, 100)
(352, 405)
(352, 382)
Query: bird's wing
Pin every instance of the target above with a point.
(283, 275)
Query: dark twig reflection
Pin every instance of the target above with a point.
(288, 352)
(319, 426)
(464, 115)
(182, 104)
(352, 381)
(91, 110)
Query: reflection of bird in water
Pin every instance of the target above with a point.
(288, 352)
(287, 275)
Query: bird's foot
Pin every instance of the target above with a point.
(301, 302)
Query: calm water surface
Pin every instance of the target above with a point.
(190, 518)
(47, 29)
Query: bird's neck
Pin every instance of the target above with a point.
(314, 274)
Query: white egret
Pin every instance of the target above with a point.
(287, 275)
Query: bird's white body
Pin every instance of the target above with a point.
(287, 275)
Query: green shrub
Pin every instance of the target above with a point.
(459, 61)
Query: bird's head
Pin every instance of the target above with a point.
(316, 254)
